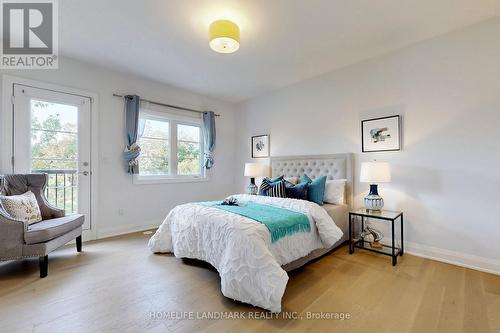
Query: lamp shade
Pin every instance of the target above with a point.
(256, 170)
(224, 36)
(375, 172)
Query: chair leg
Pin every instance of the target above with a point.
(44, 265)
(79, 244)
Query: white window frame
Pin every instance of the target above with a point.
(173, 120)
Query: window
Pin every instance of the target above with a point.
(54, 151)
(155, 148)
(171, 148)
(188, 149)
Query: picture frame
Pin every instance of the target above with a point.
(260, 146)
(381, 134)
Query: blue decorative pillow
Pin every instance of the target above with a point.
(316, 190)
(276, 189)
(267, 183)
(296, 191)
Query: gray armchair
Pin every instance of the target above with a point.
(19, 240)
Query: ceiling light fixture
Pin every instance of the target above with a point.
(224, 36)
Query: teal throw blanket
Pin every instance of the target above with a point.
(280, 222)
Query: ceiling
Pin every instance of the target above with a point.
(282, 41)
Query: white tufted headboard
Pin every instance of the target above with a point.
(335, 166)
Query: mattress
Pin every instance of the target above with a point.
(339, 215)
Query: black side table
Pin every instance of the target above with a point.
(385, 215)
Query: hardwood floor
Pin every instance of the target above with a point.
(118, 285)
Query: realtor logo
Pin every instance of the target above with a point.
(29, 34)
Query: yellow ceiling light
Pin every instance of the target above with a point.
(224, 36)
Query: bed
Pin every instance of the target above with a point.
(333, 166)
(251, 263)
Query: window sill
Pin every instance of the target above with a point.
(146, 180)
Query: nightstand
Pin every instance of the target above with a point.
(384, 215)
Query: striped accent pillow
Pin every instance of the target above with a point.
(265, 186)
(273, 189)
(268, 182)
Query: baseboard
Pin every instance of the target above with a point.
(455, 258)
(127, 229)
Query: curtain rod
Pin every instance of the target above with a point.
(167, 105)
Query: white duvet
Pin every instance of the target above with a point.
(240, 248)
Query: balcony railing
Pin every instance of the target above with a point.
(62, 189)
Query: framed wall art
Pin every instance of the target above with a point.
(381, 134)
(260, 146)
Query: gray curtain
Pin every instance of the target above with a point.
(132, 129)
(209, 138)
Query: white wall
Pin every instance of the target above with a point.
(445, 180)
(143, 206)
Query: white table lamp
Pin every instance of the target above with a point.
(373, 173)
(253, 170)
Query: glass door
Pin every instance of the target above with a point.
(52, 135)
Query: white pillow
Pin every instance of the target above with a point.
(334, 191)
(22, 207)
(293, 180)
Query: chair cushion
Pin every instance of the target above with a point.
(35, 182)
(23, 207)
(49, 229)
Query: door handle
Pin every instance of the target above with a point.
(85, 173)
